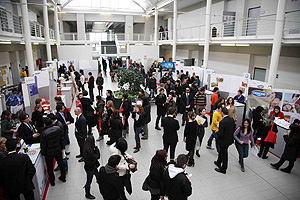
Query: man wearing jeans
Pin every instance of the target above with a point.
(217, 117)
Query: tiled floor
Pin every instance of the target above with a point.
(259, 181)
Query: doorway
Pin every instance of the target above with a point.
(259, 74)
(253, 13)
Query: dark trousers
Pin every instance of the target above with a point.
(243, 150)
(184, 116)
(89, 178)
(28, 196)
(159, 117)
(263, 151)
(61, 165)
(91, 91)
(80, 141)
(100, 91)
(172, 148)
(288, 168)
(223, 158)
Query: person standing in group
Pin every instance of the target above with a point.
(147, 117)
(37, 117)
(267, 126)
(187, 102)
(16, 173)
(61, 117)
(155, 179)
(225, 139)
(178, 92)
(190, 136)
(7, 129)
(80, 132)
(110, 96)
(91, 154)
(91, 85)
(257, 122)
(138, 117)
(217, 117)
(82, 80)
(126, 107)
(213, 99)
(52, 144)
(200, 100)
(239, 97)
(291, 149)
(231, 108)
(170, 136)
(171, 103)
(160, 101)
(152, 86)
(27, 130)
(87, 109)
(177, 183)
(100, 104)
(201, 131)
(120, 148)
(242, 136)
(116, 128)
(100, 82)
(170, 88)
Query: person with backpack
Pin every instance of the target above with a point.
(242, 136)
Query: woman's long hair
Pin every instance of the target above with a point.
(270, 120)
(232, 102)
(159, 160)
(295, 132)
(141, 110)
(89, 145)
(249, 126)
(111, 105)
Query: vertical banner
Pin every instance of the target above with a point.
(32, 85)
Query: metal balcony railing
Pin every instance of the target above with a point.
(191, 33)
(9, 23)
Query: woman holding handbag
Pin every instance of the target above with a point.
(267, 127)
(91, 154)
(120, 148)
(241, 136)
(155, 180)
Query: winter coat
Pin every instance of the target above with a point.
(52, 141)
(152, 83)
(190, 135)
(99, 82)
(264, 133)
(116, 127)
(155, 180)
(147, 115)
(138, 122)
(127, 107)
(100, 109)
(91, 159)
(291, 149)
(159, 101)
(6, 129)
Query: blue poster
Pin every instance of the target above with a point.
(168, 66)
(33, 87)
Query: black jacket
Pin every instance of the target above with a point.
(52, 141)
(86, 105)
(127, 107)
(91, 82)
(6, 129)
(178, 187)
(26, 134)
(110, 184)
(81, 127)
(116, 127)
(147, 115)
(152, 83)
(171, 126)
(190, 134)
(60, 118)
(91, 159)
(169, 88)
(138, 122)
(99, 82)
(159, 101)
(16, 173)
(226, 131)
(184, 102)
(37, 119)
(291, 149)
(156, 177)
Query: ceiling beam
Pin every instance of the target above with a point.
(134, 1)
(66, 3)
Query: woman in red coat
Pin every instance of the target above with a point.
(276, 112)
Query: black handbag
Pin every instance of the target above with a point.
(131, 161)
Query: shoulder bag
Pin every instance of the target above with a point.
(271, 137)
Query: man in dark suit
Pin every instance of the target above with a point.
(160, 101)
(61, 117)
(87, 108)
(170, 137)
(16, 173)
(80, 131)
(91, 85)
(225, 139)
(187, 104)
(27, 131)
(52, 144)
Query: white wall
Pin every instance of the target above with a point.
(32, 16)
(141, 52)
(288, 71)
(139, 28)
(75, 52)
(229, 63)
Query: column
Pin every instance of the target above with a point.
(149, 24)
(174, 31)
(57, 35)
(276, 48)
(129, 27)
(46, 29)
(207, 33)
(80, 26)
(156, 27)
(27, 36)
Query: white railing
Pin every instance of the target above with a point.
(191, 33)
(138, 37)
(165, 35)
(10, 23)
(292, 24)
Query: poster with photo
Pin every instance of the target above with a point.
(291, 103)
(259, 97)
(276, 100)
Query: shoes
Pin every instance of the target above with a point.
(259, 155)
(136, 150)
(210, 147)
(264, 157)
(285, 170)
(79, 156)
(100, 138)
(274, 166)
(52, 183)
(62, 179)
(67, 153)
(197, 153)
(81, 160)
(56, 169)
(242, 168)
(144, 138)
(220, 171)
(216, 163)
(157, 128)
(67, 158)
(182, 124)
(89, 196)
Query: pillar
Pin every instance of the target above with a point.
(129, 27)
(174, 31)
(46, 29)
(80, 26)
(276, 48)
(27, 36)
(156, 27)
(207, 33)
(57, 35)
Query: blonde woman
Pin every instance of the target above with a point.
(231, 108)
(3, 151)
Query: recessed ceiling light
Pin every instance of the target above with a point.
(228, 44)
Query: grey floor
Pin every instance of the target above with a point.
(259, 181)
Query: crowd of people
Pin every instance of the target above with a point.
(182, 96)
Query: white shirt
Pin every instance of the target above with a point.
(82, 79)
